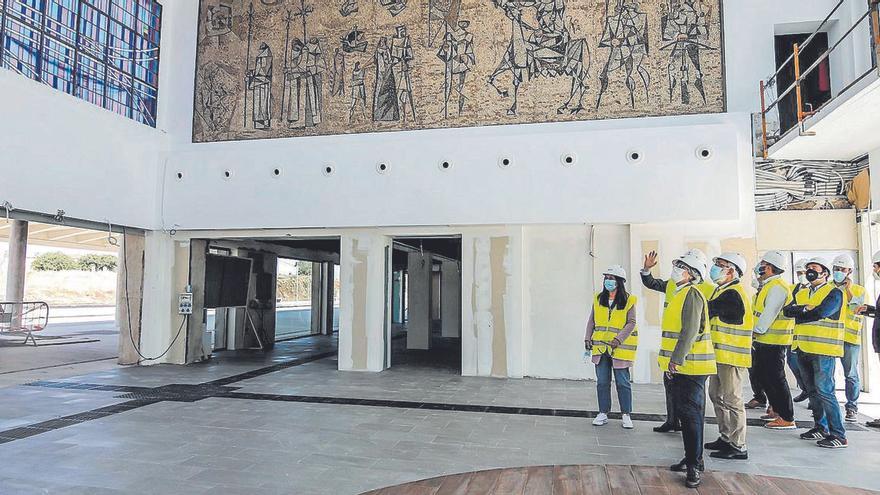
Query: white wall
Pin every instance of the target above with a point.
(60, 152)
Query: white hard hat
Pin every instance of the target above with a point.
(694, 262)
(615, 270)
(800, 265)
(774, 258)
(737, 259)
(816, 260)
(699, 254)
(844, 261)
(876, 257)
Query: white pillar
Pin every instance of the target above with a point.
(450, 299)
(16, 269)
(418, 326)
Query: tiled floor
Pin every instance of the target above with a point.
(290, 440)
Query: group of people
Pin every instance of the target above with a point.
(713, 334)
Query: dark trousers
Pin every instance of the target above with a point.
(689, 394)
(758, 392)
(671, 418)
(768, 366)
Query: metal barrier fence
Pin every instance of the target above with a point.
(24, 318)
(769, 86)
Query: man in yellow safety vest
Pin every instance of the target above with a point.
(669, 288)
(687, 358)
(818, 337)
(732, 323)
(854, 298)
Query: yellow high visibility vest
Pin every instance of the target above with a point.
(852, 322)
(823, 337)
(781, 331)
(706, 288)
(733, 343)
(608, 324)
(700, 359)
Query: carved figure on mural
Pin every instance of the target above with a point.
(259, 84)
(442, 14)
(219, 21)
(544, 51)
(626, 34)
(457, 53)
(337, 75)
(215, 97)
(385, 104)
(302, 102)
(686, 29)
(358, 92)
(401, 64)
(395, 7)
(348, 7)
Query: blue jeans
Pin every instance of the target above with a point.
(792, 358)
(850, 361)
(603, 386)
(817, 373)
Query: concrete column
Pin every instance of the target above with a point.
(362, 320)
(397, 297)
(328, 293)
(129, 297)
(450, 299)
(17, 266)
(418, 327)
(317, 298)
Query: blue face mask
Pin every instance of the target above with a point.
(839, 276)
(716, 273)
(610, 285)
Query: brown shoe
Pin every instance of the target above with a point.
(754, 404)
(770, 416)
(780, 424)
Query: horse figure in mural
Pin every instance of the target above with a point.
(547, 50)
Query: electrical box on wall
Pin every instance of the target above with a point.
(185, 303)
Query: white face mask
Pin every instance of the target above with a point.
(876, 275)
(677, 274)
(802, 278)
(755, 283)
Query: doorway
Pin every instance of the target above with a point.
(424, 301)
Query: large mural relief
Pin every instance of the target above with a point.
(287, 68)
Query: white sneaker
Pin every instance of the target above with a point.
(601, 420)
(627, 422)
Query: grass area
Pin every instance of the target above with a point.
(69, 288)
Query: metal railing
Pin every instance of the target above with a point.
(872, 15)
(24, 318)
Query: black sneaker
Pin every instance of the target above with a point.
(801, 397)
(851, 416)
(732, 453)
(832, 442)
(682, 466)
(814, 434)
(717, 445)
(874, 423)
(666, 428)
(693, 477)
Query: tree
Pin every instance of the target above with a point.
(97, 263)
(303, 268)
(54, 261)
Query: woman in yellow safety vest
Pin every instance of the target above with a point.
(612, 338)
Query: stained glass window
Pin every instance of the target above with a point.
(103, 51)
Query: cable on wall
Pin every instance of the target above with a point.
(128, 316)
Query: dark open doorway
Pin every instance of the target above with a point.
(425, 302)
